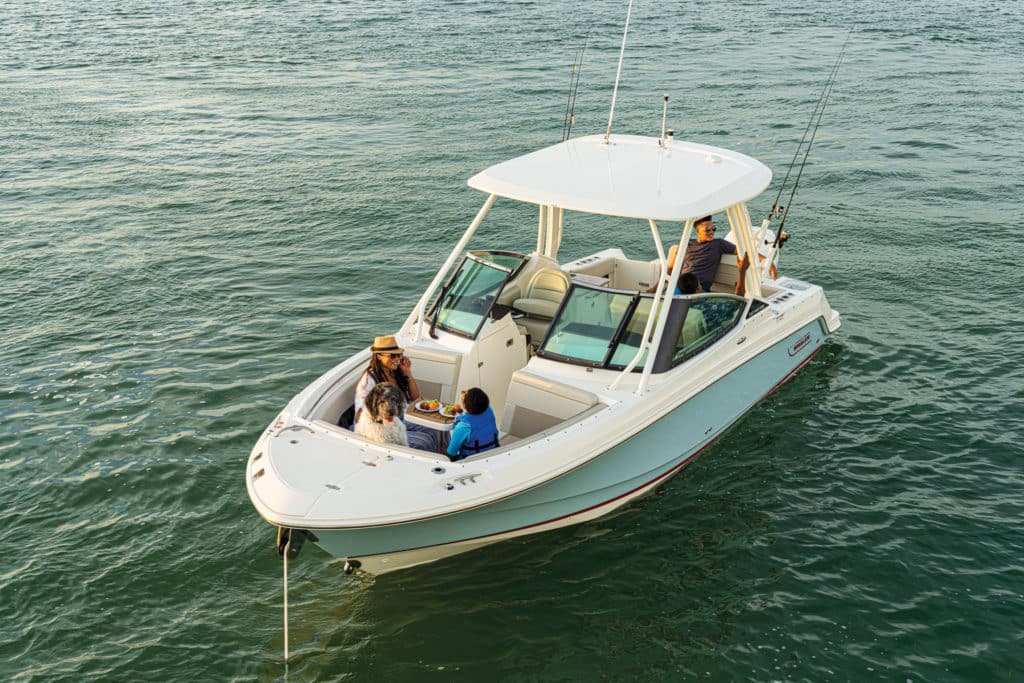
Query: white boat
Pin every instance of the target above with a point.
(598, 402)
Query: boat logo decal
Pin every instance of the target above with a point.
(801, 343)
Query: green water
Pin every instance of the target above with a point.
(204, 206)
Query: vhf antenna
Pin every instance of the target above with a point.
(664, 113)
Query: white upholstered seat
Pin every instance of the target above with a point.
(541, 300)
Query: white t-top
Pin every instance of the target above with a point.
(632, 176)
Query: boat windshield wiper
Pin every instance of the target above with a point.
(442, 299)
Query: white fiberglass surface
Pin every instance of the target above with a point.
(633, 176)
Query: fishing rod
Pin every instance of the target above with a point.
(572, 75)
(816, 117)
(574, 87)
(568, 132)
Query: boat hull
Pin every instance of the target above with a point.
(624, 472)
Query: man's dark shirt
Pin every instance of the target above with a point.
(702, 258)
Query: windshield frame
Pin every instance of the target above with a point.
(478, 257)
(543, 352)
(679, 303)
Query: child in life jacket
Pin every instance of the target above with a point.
(475, 430)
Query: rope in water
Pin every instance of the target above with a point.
(287, 546)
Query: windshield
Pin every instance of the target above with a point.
(467, 299)
(509, 260)
(604, 328)
(585, 329)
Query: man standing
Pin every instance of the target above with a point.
(703, 256)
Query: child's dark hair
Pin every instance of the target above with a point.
(476, 401)
(688, 283)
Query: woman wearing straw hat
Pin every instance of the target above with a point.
(389, 364)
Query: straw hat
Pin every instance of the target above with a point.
(386, 344)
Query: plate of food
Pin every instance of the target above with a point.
(450, 409)
(425, 406)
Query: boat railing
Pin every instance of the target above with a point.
(418, 314)
(667, 282)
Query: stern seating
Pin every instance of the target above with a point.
(630, 275)
(727, 275)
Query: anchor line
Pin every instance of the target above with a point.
(816, 117)
(287, 547)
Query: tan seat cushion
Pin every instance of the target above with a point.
(540, 308)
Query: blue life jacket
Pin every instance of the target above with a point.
(483, 433)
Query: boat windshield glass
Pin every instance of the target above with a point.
(709, 317)
(588, 324)
(466, 301)
(629, 342)
(604, 328)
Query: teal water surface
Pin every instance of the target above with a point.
(204, 206)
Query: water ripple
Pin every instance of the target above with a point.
(205, 207)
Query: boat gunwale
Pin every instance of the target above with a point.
(657, 481)
(651, 418)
